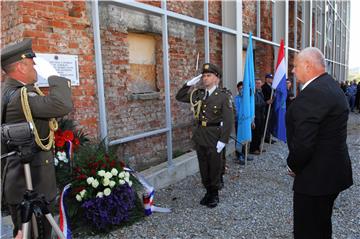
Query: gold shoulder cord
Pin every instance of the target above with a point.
(195, 107)
(53, 125)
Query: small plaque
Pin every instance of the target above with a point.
(66, 65)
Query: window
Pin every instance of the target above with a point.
(142, 59)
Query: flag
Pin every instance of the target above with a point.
(63, 217)
(279, 84)
(245, 104)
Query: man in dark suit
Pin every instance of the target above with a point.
(266, 90)
(259, 121)
(213, 110)
(22, 67)
(318, 159)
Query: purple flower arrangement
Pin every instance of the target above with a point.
(102, 195)
(110, 210)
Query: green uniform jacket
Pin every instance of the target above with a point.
(56, 104)
(217, 108)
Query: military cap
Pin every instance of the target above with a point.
(211, 68)
(16, 52)
(269, 75)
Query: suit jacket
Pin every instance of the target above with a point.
(266, 90)
(57, 103)
(316, 124)
(216, 108)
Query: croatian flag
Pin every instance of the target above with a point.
(64, 226)
(279, 84)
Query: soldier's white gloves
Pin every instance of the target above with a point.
(219, 146)
(194, 80)
(43, 68)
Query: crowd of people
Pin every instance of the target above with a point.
(352, 92)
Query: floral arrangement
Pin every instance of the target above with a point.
(67, 142)
(102, 193)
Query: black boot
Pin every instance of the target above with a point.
(204, 201)
(214, 199)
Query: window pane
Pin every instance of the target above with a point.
(186, 57)
(193, 9)
(223, 13)
(292, 22)
(133, 73)
(266, 17)
(249, 10)
(264, 59)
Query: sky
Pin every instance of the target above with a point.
(354, 50)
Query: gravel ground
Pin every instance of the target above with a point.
(256, 202)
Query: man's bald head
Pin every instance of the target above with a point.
(308, 64)
(313, 55)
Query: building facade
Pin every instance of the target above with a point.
(135, 55)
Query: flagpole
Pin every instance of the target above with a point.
(266, 123)
(246, 152)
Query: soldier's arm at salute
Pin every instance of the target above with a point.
(183, 94)
(57, 103)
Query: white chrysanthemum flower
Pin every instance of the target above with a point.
(126, 180)
(101, 173)
(78, 197)
(56, 161)
(95, 183)
(107, 191)
(61, 156)
(89, 180)
(99, 195)
(127, 174)
(130, 183)
(121, 182)
(112, 184)
(114, 171)
(106, 181)
(82, 193)
(108, 175)
(121, 175)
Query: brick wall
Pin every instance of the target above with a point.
(66, 28)
(63, 28)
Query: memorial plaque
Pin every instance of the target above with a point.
(66, 65)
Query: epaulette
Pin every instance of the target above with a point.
(227, 91)
(199, 92)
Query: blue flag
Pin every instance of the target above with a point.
(279, 84)
(245, 104)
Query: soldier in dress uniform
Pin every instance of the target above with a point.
(213, 110)
(22, 67)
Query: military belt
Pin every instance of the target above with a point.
(208, 124)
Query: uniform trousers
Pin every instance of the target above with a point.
(210, 164)
(312, 216)
(16, 219)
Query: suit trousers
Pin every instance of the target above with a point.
(312, 216)
(210, 164)
(44, 224)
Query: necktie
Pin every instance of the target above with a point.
(206, 95)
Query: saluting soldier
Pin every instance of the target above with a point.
(21, 102)
(213, 110)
